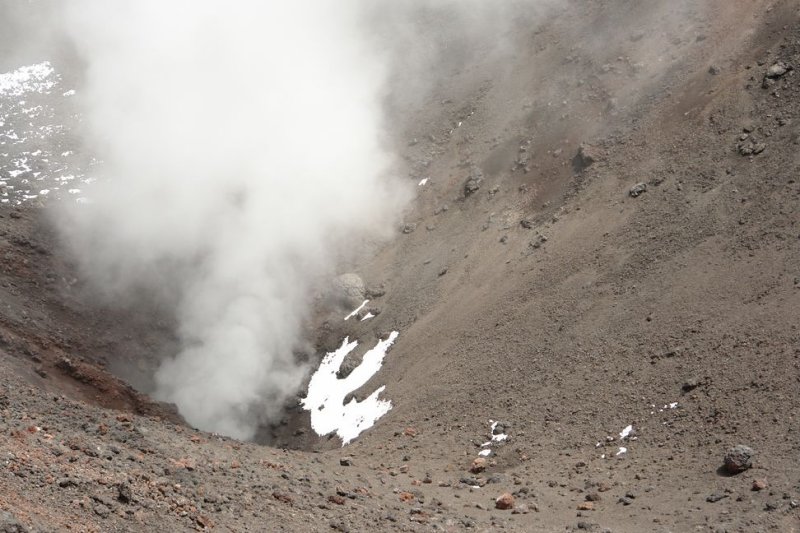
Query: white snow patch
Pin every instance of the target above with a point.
(71, 92)
(423, 181)
(500, 437)
(356, 310)
(622, 450)
(31, 78)
(367, 317)
(326, 392)
(625, 433)
(485, 453)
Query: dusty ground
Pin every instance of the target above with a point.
(549, 298)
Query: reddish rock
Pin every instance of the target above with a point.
(504, 502)
(410, 432)
(335, 498)
(478, 465)
(586, 506)
(759, 484)
(406, 497)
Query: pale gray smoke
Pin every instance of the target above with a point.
(241, 150)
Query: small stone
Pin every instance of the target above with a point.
(716, 496)
(471, 186)
(335, 498)
(124, 492)
(777, 70)
(759, 484)
(738, 459)
(409, 228)
(478, 465)
(625, 500)
(346, 461)
(410, 432)
(587, 155)
(593, 497)
(690, 384)
(771, 506)
(101, 510)
(522, 508)
(586, 506)
(525, 223)
(637, 190)
(406, 496)
(713, 70)
(504, 502)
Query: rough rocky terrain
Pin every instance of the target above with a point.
(609, 237)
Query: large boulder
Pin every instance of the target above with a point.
(349, 290)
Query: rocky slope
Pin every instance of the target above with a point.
(604, 258)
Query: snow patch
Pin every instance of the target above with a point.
(326, 392)
(356, 310)
(31, 78)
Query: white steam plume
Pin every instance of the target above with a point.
(241, 149)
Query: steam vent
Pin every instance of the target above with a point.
(456, 265)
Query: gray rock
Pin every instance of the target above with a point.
(349, 364)
(716, 496)
(637, 190)
(409, 228)
(9, 524)
(738, 459)
(471, 186)
(777, 70)
(349, 290)
(690, 384)
(473, 183)
(66, 482)
(124, 492)
(102, 510)
(587, 155)
(376, 292)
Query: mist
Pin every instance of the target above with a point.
(242, 154)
